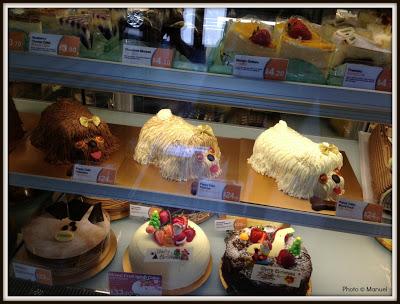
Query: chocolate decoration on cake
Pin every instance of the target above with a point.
(77, 209)
(68, 132)
(96, 216)
(58, 210)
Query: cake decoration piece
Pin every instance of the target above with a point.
(244, 236)
(286, 259)
(64, 140)
(165, 217)
(327, 191)
(159, 237)
(261, 37)
(256, 234)
(294, 161)
(155, 220)
(96, 216)
(295, 249)
(58, 210)
(181, 151)
(77, 209)
(64, 236)
(298, 30)
(279, 241)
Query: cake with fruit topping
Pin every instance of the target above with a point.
(173, 247)
(296, 162)
(300, 39)
(252, 38)
(68, 238)
(266, 261)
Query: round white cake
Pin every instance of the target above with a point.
(294, 161)
(175, 274)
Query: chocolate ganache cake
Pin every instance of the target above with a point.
(266, 261)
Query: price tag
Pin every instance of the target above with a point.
(134, 284)
(16, 41)
(44, 43)
(135, 54)
(94, 174)
(230, 224)
(361, 76)
(260, 67)
(139, 211)
(276, 275)
(32, 273)
(69, 46)
(384, 81)
(216, 189)
(162, 58)
(359, 210)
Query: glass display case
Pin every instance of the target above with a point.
(200, 151)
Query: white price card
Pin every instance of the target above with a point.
(168, 254)
(135, 54)
(223, 225)
(359, 210)
(94, 174)
(276, 275)
(32, 273)
(361, 76)
(216, 189)
(139, 211)
(44, 43)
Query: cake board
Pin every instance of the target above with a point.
(226, 286)
(105, 259)
(387, 243)
(127, 267)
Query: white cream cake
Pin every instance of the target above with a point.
(294, 161)
(175, 274)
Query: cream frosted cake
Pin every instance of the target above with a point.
(175, 248)
(182, 151)
(294, 161)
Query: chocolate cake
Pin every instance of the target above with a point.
(268, 247)
(68, 132)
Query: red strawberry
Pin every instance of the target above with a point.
(165, 217)
(150, 229)
(190, 234)
(285, 259)
(159, 237)
(261, 37)
(256, 234)
(297, 29)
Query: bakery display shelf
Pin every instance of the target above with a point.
(144, 184)
(287, 97)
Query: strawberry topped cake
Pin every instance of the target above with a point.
(173, 247)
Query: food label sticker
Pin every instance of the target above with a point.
(384, 81)
(32, 273)
(16, 41)
(359, 210)
(44, 43)
(135, 54)
(69, 46)
(168, 254)
(94, 174)
(361, 76)
(139, 211)
(260, 67)
(276, 275)
(216, 189)
(134, 284)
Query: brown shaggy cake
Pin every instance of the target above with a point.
(68, 132)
